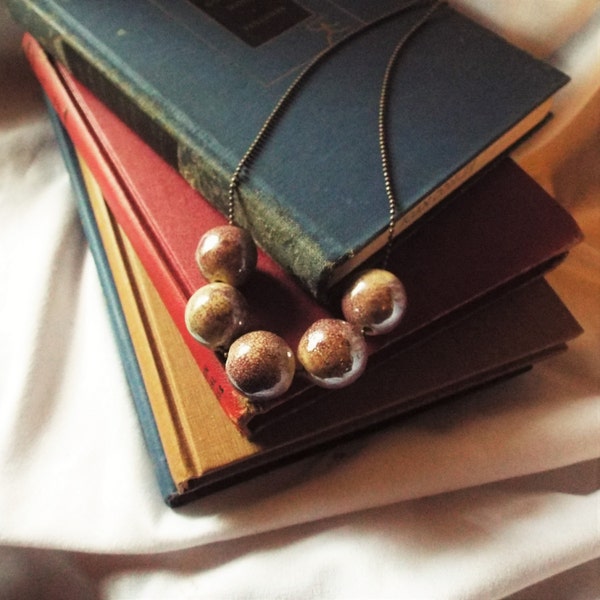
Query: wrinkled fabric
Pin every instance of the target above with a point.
(492, 495)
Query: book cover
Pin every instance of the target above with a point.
(198, 79)
(503, 230)
(203, 448)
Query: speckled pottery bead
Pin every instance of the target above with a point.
(216, 314)
(333, 353)
(261, 365)
(375, 302)
(226, 253)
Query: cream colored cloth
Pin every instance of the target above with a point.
(483, 497)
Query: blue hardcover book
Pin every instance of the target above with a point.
(117, 317)
(197, 80)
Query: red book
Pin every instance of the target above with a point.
(500, 230)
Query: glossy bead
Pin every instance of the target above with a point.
(261, 365)
(216, 314)
(375, 302)
(226, 253)
(333, 353)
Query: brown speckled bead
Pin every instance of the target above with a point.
(375, 302)
(216, 314)
(226, 253)
(261, 365)
(333, 353)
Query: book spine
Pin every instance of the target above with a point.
(115, 311)
(235, 405)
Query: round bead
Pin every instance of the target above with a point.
(216, 314)
(226, 253)
(333, 353)
(375, 302)
(261, 365)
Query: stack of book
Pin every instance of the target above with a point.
(154, 104)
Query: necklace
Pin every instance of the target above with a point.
(332, 352)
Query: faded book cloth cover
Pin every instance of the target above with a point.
(198, 81)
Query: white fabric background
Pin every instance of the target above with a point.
(493, 495)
